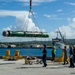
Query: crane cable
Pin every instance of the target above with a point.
(35, 21)
(30, 11)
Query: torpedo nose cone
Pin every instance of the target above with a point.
(5, 33)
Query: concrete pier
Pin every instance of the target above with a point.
(20, 68)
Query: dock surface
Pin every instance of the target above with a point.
(20, 68)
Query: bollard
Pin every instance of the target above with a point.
(17, 53)
(7, 52)
(62, 55)
(61, 58)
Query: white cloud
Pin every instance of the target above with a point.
(73, 23)
(36, 0)
(73, 4)
(29, 0)
(68, 19)
(13, 13)
(34, 4)
(8, 28)
(54, 17)
(26, 2)
(48, 16)
(68, 30)
(23, 21)
(15, 39)
(60, 10)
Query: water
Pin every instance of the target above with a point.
(29, 51)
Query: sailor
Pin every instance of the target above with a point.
(44, 56)
(65, 55)
(71, 57)
(74, 53)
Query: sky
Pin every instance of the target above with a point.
(49, 16)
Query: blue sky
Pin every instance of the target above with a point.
(50, 15)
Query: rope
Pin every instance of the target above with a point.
(36, 23)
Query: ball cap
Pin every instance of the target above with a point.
(44, 45)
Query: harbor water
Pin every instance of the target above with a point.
(29, 51)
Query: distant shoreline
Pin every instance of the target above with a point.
(26, 47)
